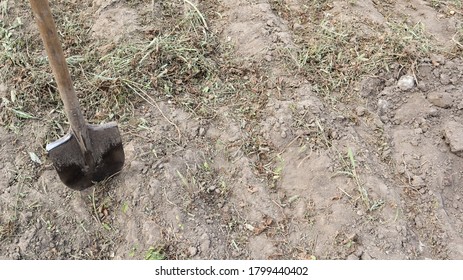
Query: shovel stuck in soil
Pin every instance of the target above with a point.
(88, 153)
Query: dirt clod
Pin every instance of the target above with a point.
(440, 99)
(454, 135)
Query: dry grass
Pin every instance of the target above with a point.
(108, 78)
(177, 59)
(334, 54)
(338, 55)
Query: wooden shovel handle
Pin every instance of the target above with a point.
(60, 69)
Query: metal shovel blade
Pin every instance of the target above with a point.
(69, 160)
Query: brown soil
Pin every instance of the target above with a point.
(285, 171)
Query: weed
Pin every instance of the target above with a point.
(278, 169)
(102, 205)
(155, 254)
(8, 229)
(450, 4)
(132, 251)
(125, 207)
(351, 171)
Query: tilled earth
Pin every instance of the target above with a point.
(289, 151)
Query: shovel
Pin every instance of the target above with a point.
(88, 153)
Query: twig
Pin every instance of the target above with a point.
(167, 199)
(153, 103)
(456, 41)
(344, 192)
(94, 206)
(198, 12)
(300, 163)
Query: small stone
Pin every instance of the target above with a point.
(444, 79)
(352, 257)
(360, 212)
(382, 106)
(283, 134)
(192, 251)
(249, 227)
(211, 188)
(406, 83)
(202, 131)
(433, 112)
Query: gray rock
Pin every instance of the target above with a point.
(383, 106)
(406, 82)
(444, 79)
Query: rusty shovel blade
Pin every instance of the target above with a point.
(69, 160)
